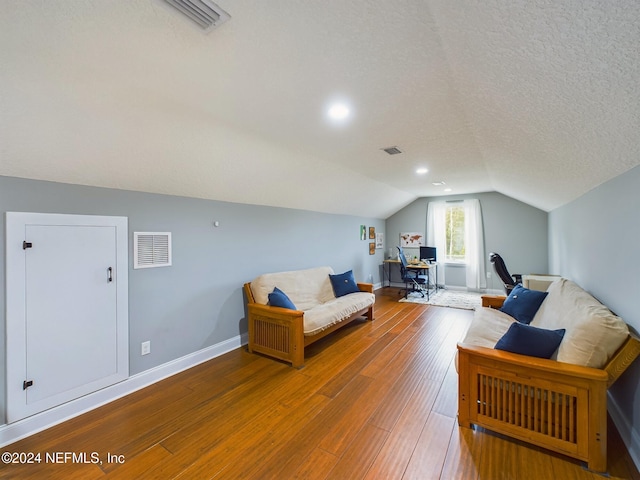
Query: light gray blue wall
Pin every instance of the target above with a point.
(198, 302)
(515, 230)
(595, 241)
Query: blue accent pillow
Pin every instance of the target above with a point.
(344, 284)
(278, 298)
(522, 303)
(529, 340)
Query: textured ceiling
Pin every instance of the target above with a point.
(536, 100)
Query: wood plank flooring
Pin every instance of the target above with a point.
(375, 400)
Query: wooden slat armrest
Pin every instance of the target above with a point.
(625, 356)
(274, 312)
(493, 301)
(366, 287)
(535, 364)
(268, 310)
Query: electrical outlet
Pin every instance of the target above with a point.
(488, 274)
(145, 348)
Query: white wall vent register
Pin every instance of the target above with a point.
(204, 13)
(151, 249)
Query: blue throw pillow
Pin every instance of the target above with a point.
(532, 341)
(522, 303)
(278, 298)
(344, 284)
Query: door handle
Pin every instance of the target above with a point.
(109, 274)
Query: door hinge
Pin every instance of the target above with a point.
(26, 384)
(26, 245)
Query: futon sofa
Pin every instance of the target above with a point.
(558, 402)
(316, 303)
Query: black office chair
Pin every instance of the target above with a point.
(509, 281)
(410, 277)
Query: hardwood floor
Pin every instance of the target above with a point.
(375, 400)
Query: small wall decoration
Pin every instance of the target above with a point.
(379, 240)
(372, 248)
(411, 239)
(363, 232)
(372, 232)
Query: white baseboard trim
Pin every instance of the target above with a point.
(10, 433)
(630, 437)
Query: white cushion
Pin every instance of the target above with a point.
(306, 288)
(311, 291)
(487, 327)
(334, 311)
(593, 333)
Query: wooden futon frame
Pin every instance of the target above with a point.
(558, 406)
(279, 332)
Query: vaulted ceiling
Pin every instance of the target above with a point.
(536, 100)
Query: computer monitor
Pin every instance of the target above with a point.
(428, 253)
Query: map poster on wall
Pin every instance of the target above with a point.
(411, 239)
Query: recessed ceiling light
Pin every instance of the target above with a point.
(422, 171)
(338, 111)
(438, 184)
(447, 189)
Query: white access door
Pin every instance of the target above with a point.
(69, 339)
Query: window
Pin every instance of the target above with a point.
(455, 229)
(455, 232)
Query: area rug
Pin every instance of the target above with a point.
(448, 298)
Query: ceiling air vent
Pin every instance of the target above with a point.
(392, 150)
(151, 249)
(204, 13)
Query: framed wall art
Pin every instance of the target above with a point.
(411, 239)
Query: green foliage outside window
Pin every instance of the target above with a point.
(454, 223)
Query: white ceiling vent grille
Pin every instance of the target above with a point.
(204, 13)
(151, 249)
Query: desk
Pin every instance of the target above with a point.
(386, 266)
